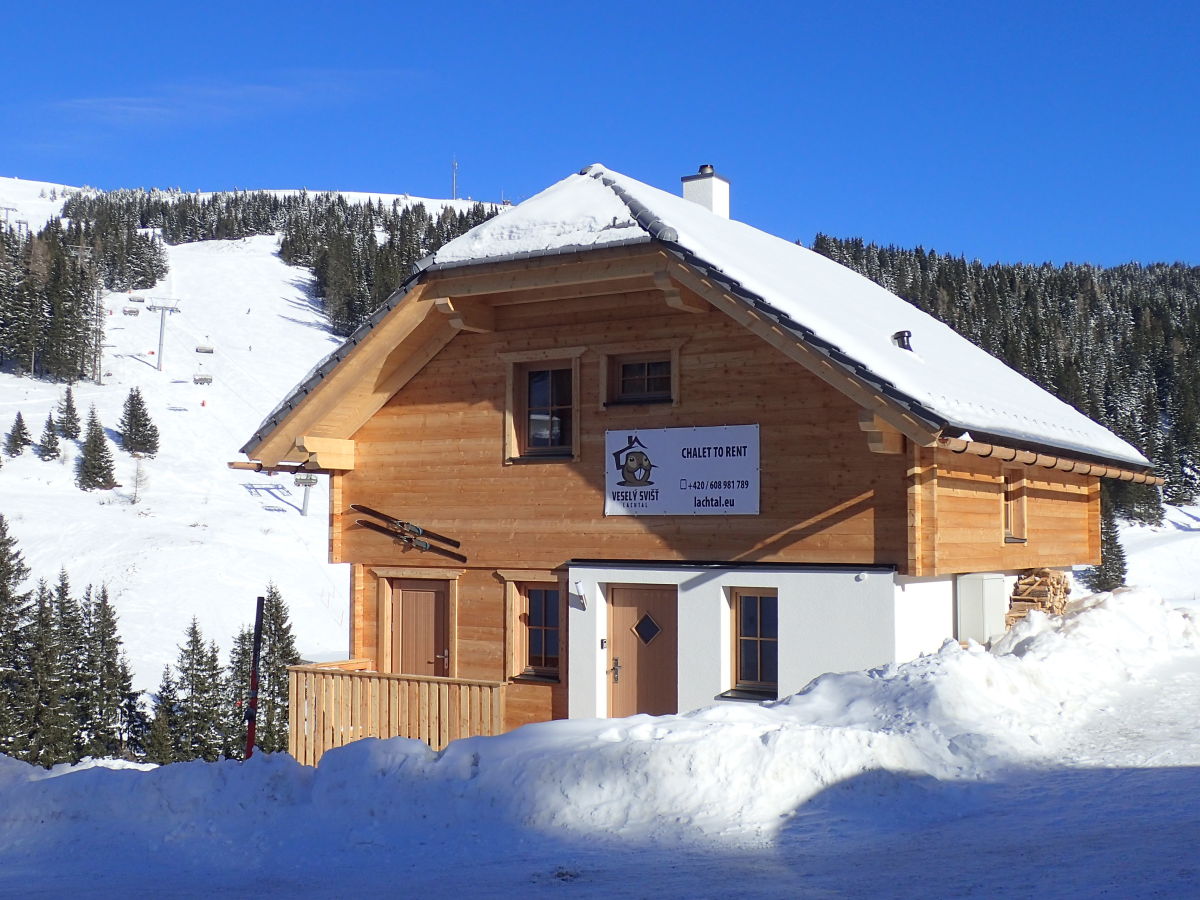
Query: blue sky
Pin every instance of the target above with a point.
(1004, 131)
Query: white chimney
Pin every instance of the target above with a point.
(708, 189)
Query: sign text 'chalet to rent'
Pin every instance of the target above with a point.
(682, 471)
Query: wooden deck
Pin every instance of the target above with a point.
(334, 704)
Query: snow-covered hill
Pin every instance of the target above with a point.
(203, 540)
(1063, 762)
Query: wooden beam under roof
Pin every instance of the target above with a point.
(467, 315)
(557, 270)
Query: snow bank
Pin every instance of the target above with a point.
(726, 773)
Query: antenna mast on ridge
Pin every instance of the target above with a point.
(453, 178)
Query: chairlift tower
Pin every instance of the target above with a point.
(164, 306)
(307, 481)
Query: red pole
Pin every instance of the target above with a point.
(252, 707)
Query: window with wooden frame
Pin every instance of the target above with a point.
(1015, 526)
(542, 414)
(756, 642)
(534, 600)
(640, 378)
(639, 372)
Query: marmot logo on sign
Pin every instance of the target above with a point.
(633, 464)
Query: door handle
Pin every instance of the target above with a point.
(616, 670)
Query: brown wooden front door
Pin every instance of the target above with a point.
(642, 651)
(421, 627)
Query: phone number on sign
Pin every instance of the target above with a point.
(739, 484)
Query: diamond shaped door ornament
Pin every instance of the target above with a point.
(646, 629)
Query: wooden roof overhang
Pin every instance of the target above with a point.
(314, 428)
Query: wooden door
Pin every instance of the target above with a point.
(421, 628)
(642, 651)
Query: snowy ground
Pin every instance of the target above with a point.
(1064, 762)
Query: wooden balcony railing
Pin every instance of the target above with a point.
(336, 703)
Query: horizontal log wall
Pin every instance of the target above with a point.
(434, 453)
(332, 707)
(1060, 510)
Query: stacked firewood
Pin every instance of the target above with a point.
(1044, 589)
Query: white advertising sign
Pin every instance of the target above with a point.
(682, 471)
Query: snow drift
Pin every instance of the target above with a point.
(725, 773)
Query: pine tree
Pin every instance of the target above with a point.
(278, 652)
(18, 438)
(47, 447)
(68, 416)
(16, 615)
(162, 744)
(45, 737)
(134, 727)
(237, 692)
(95, 460)
(1110, 574)
(70, 647)
(200, 732)
(107, 680)
(138, 433)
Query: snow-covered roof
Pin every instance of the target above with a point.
(944, 375)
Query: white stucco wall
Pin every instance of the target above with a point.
(924, 611)
(829, 620)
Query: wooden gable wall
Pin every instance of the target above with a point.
(434, 454)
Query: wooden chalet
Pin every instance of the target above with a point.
(681, 462)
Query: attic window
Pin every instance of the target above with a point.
(641, 378)
(902, 340)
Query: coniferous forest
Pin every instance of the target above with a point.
(1120, 344)
(50, 323)
(66, 690)
(359, 253)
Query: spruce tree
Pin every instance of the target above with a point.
(18, 437)
(138, 433)
(200, 729)
(237, 693)
(45, 737)
(278, 652)
(68, 416)
(1110, 574)
(134, 727)
(106, 678)
(95, 460)
(47, 446)
(16, 618)
(162, 738)
(70, 644)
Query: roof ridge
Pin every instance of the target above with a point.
(641, 213)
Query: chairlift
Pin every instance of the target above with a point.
(131, 311)
(201, 378)
(305, 479)
(204, 348)
(137, 298)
